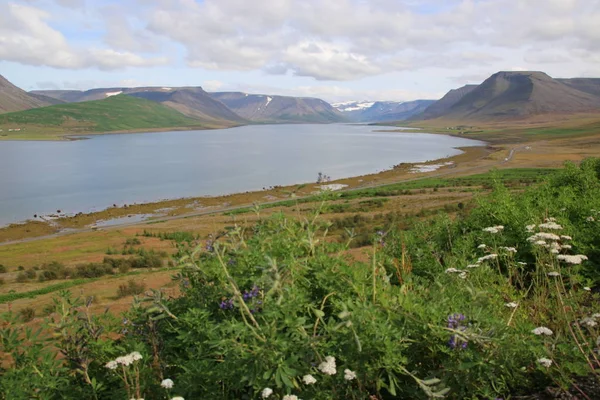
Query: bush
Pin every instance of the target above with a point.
(52, 271)
(92, 270)
(2, 269)
(131, 288)
(132, 242)
(27, 314)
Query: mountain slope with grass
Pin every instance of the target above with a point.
(443, 105)
(117, 113)
(14, 99)
(279, 109)
(519, 95)
(191, 101)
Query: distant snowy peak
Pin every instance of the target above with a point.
(348, 106)
(379, 111)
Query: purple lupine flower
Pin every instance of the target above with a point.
(226, 304)
(210, 245)
(455, 322)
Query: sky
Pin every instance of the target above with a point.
(337, 50)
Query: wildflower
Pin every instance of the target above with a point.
(452, 270)
(124, 360)
(550, 219)
(167, 384)
(512, 304)
(349, 375)
(530, 228)
(587, 289)
(472, 265)
(509, 249)
(553, 226)
(135, 356)
(494, 229)
(596, 316)
(455, 322)
(545, 362)
(266, 392)
(566, 247)
(589, 322)
(482, 246)
(226, 304)
(543, 236)
(522, 263)
(488, 257)
(540, 243)
(565, 237)
(309, 379)
(290, 397)
(463, 275)
(542, 330)
(553, 273)
(328, 366)
(112, 365)
(577, 259)
(590, 219)
(177, 398)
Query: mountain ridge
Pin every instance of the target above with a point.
(13, 98)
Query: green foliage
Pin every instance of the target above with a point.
(27, 314)
(2, 269)
(116, 113)
(446, 308)
(131, 288)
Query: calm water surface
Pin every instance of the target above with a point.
(89, 175)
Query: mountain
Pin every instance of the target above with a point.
(14, 99)
(441, 107)
(588, 85)
(516, 95)
(279, 109)
(380, 111)
(191, 101)
(116, 113)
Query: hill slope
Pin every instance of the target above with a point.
(380, 111)
(588, 85)
(279, 109)
(516, 95)
(118, 113)
(444, 104)
(191, 101)
(14, 99)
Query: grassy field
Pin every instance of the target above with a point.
(116, 113)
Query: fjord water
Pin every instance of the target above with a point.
(90, 175)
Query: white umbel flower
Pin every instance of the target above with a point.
(509, 249)
(290, 397)
(576, 259)
(542, 330)
(309, 379)
(553, 274)
(587, 289)
(530, 228)
(135, 356)
(266, 392)
(452, 271)
(488, 257)
(553, 226)
(463, 275)
(112, 365)
(566, 237)
(482, 246)
(512, 304)
(124, 360)
(543, 236)
(177, 398)
(494, 229)
(349, 375)
(328, 366)
(589, 322)
(473, 266)
(590, 219)
(167, 384)
(545, 362)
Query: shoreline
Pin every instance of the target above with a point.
(191, 206)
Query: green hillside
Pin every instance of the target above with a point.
(117, 113)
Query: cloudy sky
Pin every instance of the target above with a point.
(333, 49)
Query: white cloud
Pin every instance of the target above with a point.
(212, 86)
(27, 37)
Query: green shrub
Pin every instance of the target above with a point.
(27, 314)
(131, 288)
(2, 269)
(92, 270)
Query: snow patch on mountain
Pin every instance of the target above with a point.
(348, 106)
